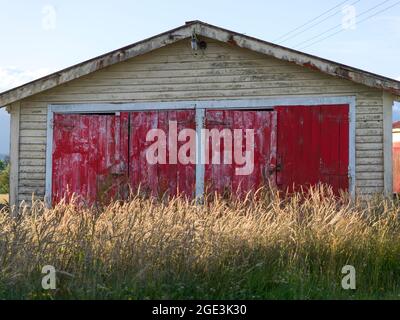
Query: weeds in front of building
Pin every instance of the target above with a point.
(264, 246)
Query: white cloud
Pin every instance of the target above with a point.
(398, 78)
(11, 77)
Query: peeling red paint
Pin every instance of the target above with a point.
(98, 156)
(159, 179)
(222, 178)
(90, 157)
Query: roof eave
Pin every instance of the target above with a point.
(95, 64)
(302, 59)
(202, 29)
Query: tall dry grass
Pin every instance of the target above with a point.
(264, 246)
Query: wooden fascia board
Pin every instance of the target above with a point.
(93, 65)
(299, 58)
(202, 29)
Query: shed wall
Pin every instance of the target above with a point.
(222, 72)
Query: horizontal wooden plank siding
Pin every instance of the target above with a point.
(221, 72)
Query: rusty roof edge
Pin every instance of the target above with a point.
(94, 64)
(207, 30)
(300, 58)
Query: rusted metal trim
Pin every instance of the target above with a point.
(300, 58)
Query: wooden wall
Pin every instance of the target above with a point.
(222, 72)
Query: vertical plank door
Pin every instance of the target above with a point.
(220, 173)
(313, 147)
(90, 156)
(161, 179)
(396, 161)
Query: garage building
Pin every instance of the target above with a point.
(83, 129)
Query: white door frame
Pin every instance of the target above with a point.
(200, 107)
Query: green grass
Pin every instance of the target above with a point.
(265, 247)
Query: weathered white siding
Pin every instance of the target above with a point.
(175, 73)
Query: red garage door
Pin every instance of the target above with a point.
(220, 172)
(173, 176)
(313, 146)
(98, 156)
(90, 156)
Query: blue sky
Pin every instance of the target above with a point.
(39, 37)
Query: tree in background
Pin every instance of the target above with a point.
(2, 165)
(4, 177)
